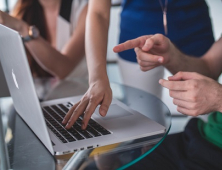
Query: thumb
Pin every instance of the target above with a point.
(156, 39)
(182, 76)
(148, 44)
(104, 107)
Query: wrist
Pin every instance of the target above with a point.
(219, 101)
(172, 55)
(98, 77)
(98, 72)
(175, 58)
(23, 28)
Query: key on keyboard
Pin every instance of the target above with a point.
(54, 115)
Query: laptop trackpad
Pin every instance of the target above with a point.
(115, 111)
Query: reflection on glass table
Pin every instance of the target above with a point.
(27, 152)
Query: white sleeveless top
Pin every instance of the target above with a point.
(66, 24)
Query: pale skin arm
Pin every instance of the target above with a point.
(99, 92)
(59, 64)
(158, 50)
(194, 94)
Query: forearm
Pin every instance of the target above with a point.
(181, 62)
(97, 25)
(219, 99)
(50, 59)
(13, 23)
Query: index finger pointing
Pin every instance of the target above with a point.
(138, 42)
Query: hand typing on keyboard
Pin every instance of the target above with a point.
(54, 115)
(98, 93)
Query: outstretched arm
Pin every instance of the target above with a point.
(194, 94)
(156, 50)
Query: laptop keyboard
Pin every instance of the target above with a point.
(54, 115)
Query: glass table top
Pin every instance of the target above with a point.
(25, 151)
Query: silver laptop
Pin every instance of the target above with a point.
(120, 124)
(4, 92)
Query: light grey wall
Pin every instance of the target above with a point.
(2, 5)
(215, 7)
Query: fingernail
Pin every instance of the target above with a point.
(103, 112)
(116, 48)
(83, 125)
(146, 45)
(160, 81)
(170, 77)
(136, 49)
(67, 124)
(63, 121)
(160, 60)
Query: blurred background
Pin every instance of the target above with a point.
(178, 120)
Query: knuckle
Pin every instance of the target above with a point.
(194, 84)
(148, 39)
(141, 40)
(138, 53)
(143, 69)
(95, 99)
(92, 98)
(175, 102)
(104, 107)
(139, 56)
(195, 113)
(129, 42)
(179, 110)
(143, 64)
(180, 73)
(139, 61)
(171, 93)
(160, 36)
(84, 98)
(194, 98)
(75, 112)
(151, 39)
(87, 111)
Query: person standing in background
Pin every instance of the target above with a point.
(53, 32)
(188, 24)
